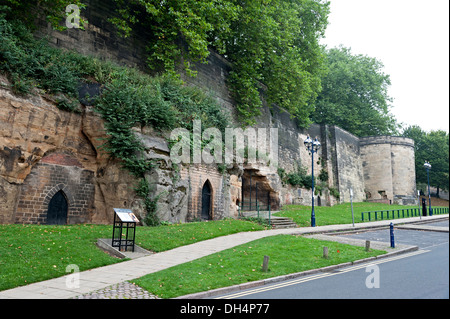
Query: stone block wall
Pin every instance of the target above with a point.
(348, 168)
(99, 38)
(389, 170)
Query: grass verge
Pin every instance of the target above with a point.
(163, 238)
(334, 215)
(32, 253)
(243, 264)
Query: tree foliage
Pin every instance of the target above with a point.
(274, 45)
(433, 147)
(271, 43)
(354, 95)
(53, 10)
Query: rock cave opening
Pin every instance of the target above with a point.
(257, 192)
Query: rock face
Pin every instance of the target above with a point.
(44, 150)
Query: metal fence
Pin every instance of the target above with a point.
(400, 213)
(255, 210)
(254, 206)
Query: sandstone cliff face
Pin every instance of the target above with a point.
(44, 150)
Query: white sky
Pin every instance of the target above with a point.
(411, 39)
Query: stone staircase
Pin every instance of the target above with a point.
(276, 222)
(282, 222)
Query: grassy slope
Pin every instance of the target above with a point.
(288, 254)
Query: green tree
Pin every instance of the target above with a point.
(433, 147)
(273, 44)
(274, 48)
(176, 28)
(354, 95)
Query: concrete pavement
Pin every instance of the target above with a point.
(76, 284)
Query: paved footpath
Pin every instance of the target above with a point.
(111, 281)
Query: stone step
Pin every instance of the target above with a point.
(282, 222)
(275, 221)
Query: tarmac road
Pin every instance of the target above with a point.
(423, 274)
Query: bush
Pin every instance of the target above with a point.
(30, 62)
(299, 178)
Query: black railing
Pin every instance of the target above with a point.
(400, 213)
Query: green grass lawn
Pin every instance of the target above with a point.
(337, 214)
(288, 254)
(163, 238)
(32, 253)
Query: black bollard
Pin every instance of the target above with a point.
(391, 226)
(424, 207)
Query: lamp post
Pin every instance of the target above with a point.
(427, 166)
(313, 147)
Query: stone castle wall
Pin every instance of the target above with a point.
(389, 170)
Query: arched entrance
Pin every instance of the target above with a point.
(57, 209)
(206, 201)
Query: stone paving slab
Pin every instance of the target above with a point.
(123, 290)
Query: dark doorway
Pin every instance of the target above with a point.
(57, 210)
(206, 201)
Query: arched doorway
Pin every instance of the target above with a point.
(57, 209)
(206, 201)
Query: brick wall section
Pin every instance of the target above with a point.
(61, 159)
(45, 181)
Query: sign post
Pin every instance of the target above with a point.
(124, 229)
(351, 203)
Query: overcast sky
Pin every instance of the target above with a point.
(411, 39)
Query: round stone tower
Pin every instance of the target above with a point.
(389, 170)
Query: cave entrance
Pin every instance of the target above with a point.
(257, 192)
